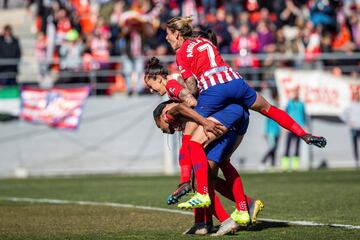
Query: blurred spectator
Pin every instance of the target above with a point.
(63, 25)
(133, 62)
(188, 8)
(221, 29)
(155, 44)
(245, 44)
(289, 14)
(209, 6)
(265, 37)
(10, 54)
(71, 57)
(272, 133)
(323, 13)
(296, 109)
(40, 52)
(100, 53)
(233, 7)
(5, 4)
(243, 18)
(45, 8)
(351, 117)
(342, 41)
(311, 39)
(105, 9)
(355, 28)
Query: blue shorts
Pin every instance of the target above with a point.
(223, 146)
(215, 98)
(229, 115)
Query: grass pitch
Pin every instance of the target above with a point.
(330, 197)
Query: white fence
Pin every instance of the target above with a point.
(118, 135)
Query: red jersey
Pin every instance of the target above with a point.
(198, 57)
(173, 89)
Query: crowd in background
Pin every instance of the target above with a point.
(79, 36)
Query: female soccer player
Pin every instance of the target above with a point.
(218, 154)
(200, 64)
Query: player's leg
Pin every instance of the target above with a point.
(243, 94)
(216, 152)
(255, 206)
(284, 120)
(233, 179)
(199, 227)
(228, 225)
(228, 116)
(185, 165)
(200, 166)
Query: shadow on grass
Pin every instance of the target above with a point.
(260, 225)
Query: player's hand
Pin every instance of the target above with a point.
(213, 127)
(315, 140)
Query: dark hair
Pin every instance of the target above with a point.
(209, 34)
(158, 110)
(8, 27)
(153, 68)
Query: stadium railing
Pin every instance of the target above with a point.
(259, 76)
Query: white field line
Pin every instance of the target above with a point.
(120, 205)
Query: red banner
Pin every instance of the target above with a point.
(56, 107)
(323, 93)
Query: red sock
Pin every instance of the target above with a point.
(185, 160)
(234, 180)
(216, 206)
(223, 188)
(284, 120)
(200, 165)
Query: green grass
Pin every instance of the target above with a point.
(320, 196)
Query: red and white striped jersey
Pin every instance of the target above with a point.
(198, 57)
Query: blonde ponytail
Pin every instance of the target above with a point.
(181, 24)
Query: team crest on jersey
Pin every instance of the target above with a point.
(172, 91)
(181, 69)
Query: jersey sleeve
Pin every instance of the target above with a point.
(173, 89)
(184, 64)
